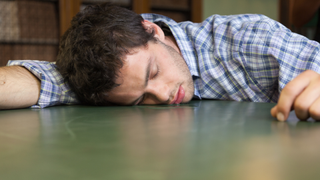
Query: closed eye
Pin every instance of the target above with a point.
(152, 77)
(156, 74)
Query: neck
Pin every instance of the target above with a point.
(171, 41)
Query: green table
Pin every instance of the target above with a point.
(196, 141)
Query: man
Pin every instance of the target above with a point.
(112, 56)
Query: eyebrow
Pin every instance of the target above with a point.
(145, 83)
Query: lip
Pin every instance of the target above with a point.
(179, 96)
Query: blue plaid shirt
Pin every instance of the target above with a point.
(241, 57)
(238, 57)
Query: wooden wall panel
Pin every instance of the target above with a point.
(67, 10)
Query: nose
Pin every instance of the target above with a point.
(159, 93)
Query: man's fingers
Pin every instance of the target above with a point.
(305, 100)
(301, 94)
(274, 111)
(289, 94)
(277, 114)
(314, 110)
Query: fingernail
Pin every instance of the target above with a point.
(280, 116)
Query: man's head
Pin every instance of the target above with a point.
(99, 51)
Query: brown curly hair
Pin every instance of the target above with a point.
(92, 50)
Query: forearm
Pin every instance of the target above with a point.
(18, 88)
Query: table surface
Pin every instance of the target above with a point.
(200, 140)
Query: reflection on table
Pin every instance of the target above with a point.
(200, 140)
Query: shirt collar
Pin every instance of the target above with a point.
(185, 43)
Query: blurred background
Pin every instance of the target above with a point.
(30, 29)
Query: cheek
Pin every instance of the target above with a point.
(170, 75)
(169, 69)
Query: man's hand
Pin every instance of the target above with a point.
(302, 95)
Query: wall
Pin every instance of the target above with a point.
(227, 7)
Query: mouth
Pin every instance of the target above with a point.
(179, 96)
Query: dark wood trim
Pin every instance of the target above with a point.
(141, 6)
(67, 10)
(196, 11)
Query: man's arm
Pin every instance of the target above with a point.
(18, 88)
(302, 95)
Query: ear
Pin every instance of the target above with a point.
(149, 26)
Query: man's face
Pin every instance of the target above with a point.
(155, 74)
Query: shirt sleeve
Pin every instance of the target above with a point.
(271, 53)
(54, 91)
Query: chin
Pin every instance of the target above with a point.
(186, 100)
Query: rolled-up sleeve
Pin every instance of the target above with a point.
(54, 91)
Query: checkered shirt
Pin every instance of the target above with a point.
(241, 57)
(53, 89)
